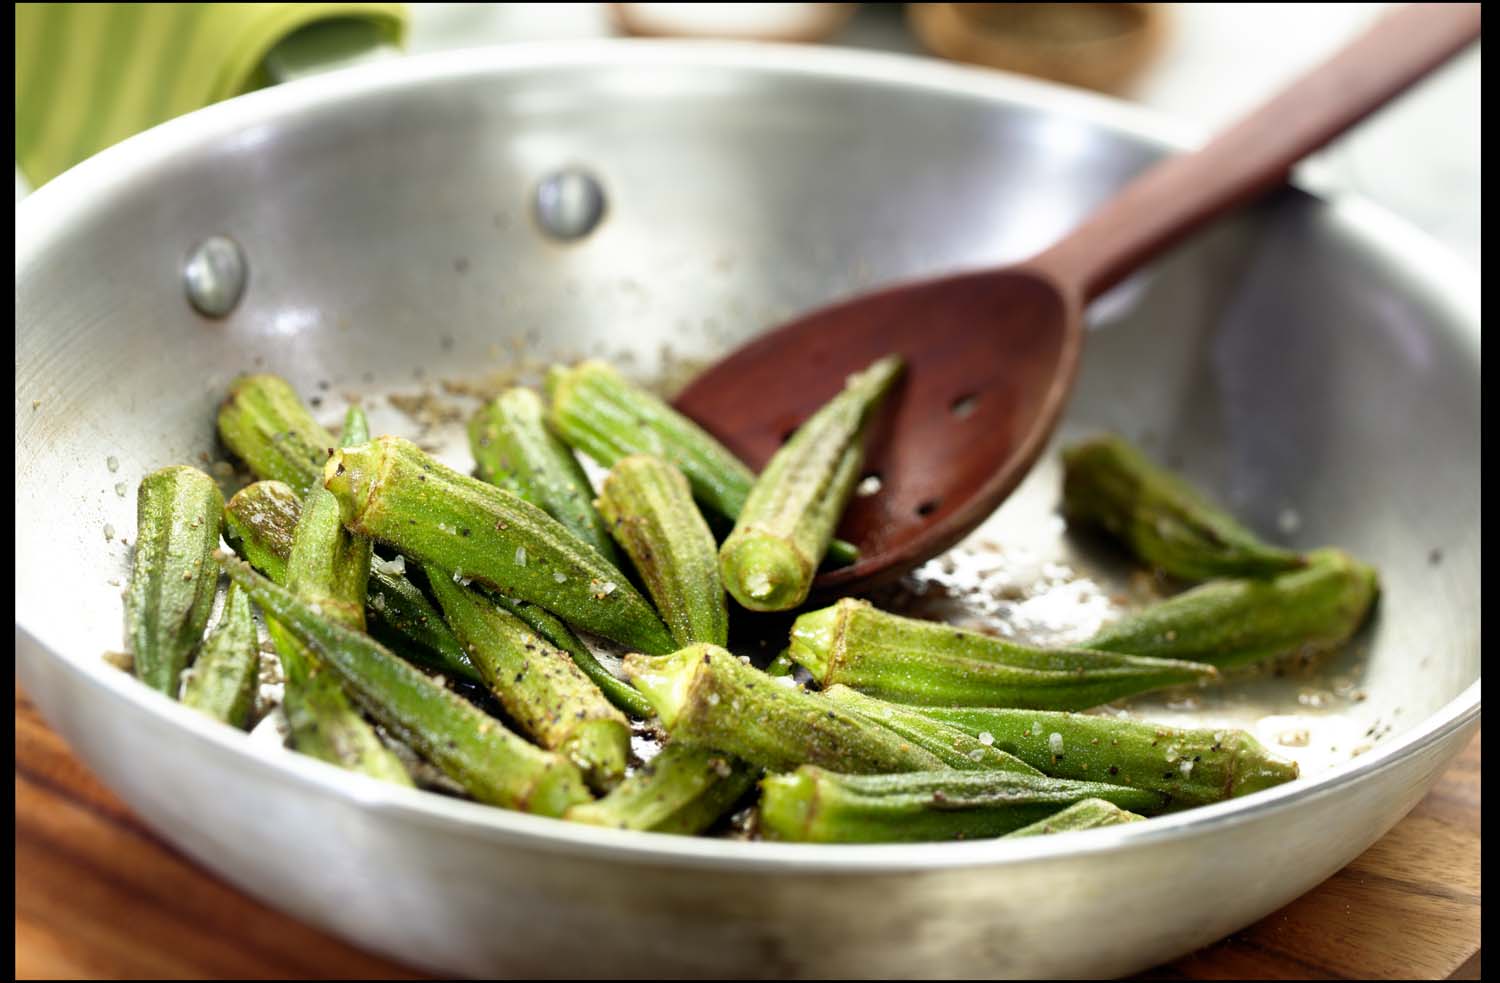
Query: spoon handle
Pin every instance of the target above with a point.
(1177, 196)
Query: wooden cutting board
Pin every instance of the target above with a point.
(1407, 908)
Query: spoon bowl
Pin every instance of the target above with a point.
(990, 359)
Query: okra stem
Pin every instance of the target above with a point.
(548, 697)
(650, 512)
(816, 806)
(783, 530)
(705, 696)
(905, 660)
(260, 521)
(1159, 517)
(514, 449)
(598, 411)
(1193, 767)
(328, 569)
(265, 424)
(390, 490)
(222, 681)
(684, 790)
(1088, 814)
(173, 578)
(955, 748)
(1232, 624)
(475, 750)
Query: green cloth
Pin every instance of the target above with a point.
(90, 75)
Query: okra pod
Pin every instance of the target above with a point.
(705, 696)
(953, 747)
(1162, 520)
(390, 490)
(598, 411)
(905, 660)
(684, 790)
(783, 530)
(265, 424)
(811, 805)
(471, 747)
(328, 569)
(173, 578)
(1088, 814)
(514, 449)
(550, 627)
(259, 523)
(1193, 767)
(222, 681)
(548, 697)
(650, 511)
(1232, 624)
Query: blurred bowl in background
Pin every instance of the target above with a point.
(803, 22)
(1101, 46)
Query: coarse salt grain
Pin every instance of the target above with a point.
(986, 738)
(1055, 743)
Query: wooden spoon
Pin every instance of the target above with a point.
(991, 356)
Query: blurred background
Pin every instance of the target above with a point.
(90, 75)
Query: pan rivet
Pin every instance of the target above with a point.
(215, 276)
(569, 203)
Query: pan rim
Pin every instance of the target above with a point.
(50, 212)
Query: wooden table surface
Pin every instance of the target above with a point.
(1407, 908)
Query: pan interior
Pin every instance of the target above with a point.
(1291, 361)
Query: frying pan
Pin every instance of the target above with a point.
(1314, 364)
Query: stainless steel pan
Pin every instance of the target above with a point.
(1317, 364)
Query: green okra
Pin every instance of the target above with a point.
(514, 449)
(471, 747)
(955, 748)
(683, 790)
(1236, 623)
(783, 530)
(905, 660)
(265, 424)
(328, 569)
(812, 805)
(173, 578)
(222, 681)
(260, 521)
(781, 665)
(650, 512)
(1162, 520)
(707, 697)
(1193, 767)
(598, 411)
(390, 490)
(543, 691)
(550, 627)
(1088, 814)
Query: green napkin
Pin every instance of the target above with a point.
(90, 75)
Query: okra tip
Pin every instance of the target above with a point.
(1255, 768)
(764, 573)
(559, 788)
(667, 680)
(789, 804)
(600, 749)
